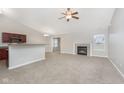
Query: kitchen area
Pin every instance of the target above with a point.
(16, 52)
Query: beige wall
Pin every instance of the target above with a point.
(68, 41)
(12, 26)
(116, 42)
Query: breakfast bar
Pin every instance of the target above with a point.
(16, 51)
(23, 54)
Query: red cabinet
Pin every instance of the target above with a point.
(3, 54)
(6, 37)
(23, 38)
(13, 38)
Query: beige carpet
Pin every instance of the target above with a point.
(63, 69)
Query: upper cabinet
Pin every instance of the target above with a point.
(13, 38)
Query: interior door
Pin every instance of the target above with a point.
(56, 44)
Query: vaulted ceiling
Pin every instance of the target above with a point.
(46, 20)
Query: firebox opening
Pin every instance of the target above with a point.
(82, 50)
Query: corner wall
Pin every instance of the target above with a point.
(116, 40)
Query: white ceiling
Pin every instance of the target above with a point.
(46, 20)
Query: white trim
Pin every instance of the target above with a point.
(63, 52)
(73, 53)
(27, 63)
(99, 56)
(116, 67)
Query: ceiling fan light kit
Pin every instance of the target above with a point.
(68, 14)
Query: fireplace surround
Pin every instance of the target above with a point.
(82, 49)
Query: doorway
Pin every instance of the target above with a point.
(56, 45)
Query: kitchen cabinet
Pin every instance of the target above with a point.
(3, 54)
(23, 38)
(13, 38)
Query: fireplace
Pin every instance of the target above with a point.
(82, 50)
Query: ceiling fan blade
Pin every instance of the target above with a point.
(61, 17)
(63, 13)
(74, 13)
(75, 17)
(67, 20)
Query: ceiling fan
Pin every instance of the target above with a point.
(68, 14)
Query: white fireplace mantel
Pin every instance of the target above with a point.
(82, 44)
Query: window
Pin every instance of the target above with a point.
(99, 39)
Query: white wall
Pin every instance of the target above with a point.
(13, 26)
(116, 43)
(68, 40)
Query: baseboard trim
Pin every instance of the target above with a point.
(17, 66)
(116, 67)
(99, 56)
(87, 55)
(66, 53)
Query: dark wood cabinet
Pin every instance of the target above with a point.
(23, 38)
(4, 54)
(6, 37)
(13, 38)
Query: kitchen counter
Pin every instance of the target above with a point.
(3, 46)
(20, 44)
(23, 54)
(24, 44)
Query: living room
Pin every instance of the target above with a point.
(61, 46)
(89, 35)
